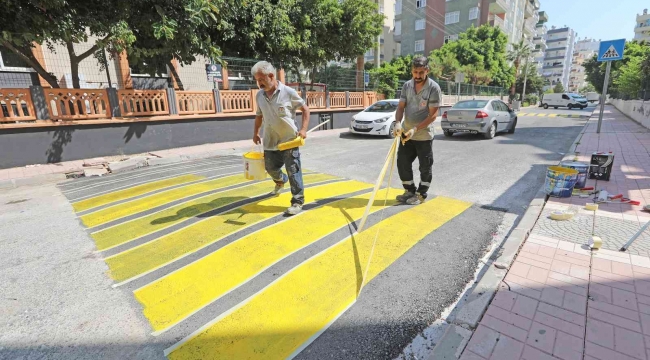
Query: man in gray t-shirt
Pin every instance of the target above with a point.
(276, 114)
(418, 105)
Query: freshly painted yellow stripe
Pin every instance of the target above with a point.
(552, 115)
(133, 207)
(170, 299)
(523, 114)
(157, 253)
(131, 230)
(132, 192)
(293, 310)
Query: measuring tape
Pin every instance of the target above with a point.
(390, 160)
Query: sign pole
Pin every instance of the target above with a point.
(603, 96)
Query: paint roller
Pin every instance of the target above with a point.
(298, 141)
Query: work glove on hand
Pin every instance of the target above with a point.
(408, 135)
(397, 131)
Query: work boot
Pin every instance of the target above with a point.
(404, 197)
(415, 200)
(278, 188)
(295, 209)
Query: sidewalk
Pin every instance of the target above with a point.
(562, 301)
(58, 171)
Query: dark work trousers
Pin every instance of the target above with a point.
(406, 154)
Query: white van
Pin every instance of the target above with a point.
(564, 100)
(593, 97)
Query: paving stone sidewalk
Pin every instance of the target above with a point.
(561, 300)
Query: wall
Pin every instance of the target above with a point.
(20, 147)
(638, 110)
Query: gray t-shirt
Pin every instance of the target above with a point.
(418, 105)
(279, 115)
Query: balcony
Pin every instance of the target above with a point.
(535, 4)
(643, 27)
(528, 11)
(543, 17)
(541, 29)
(498, 7)
(497, 22)
(529, 28)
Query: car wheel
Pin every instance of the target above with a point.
(391, 134)
(582, 107)
(512, 128)
(545, 106)
(447, 133)
(492, 131)
(570, 107)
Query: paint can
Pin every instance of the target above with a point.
(583, 170)
(254, 166)
(560, 181)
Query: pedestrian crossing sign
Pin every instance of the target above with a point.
(611, 50)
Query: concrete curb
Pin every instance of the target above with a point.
(454, 340)
(34, 180)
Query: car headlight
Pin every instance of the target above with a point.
(382, 120)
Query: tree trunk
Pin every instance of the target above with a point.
(27, 55)
(177, 78)
(297, 69)
(313, 78)
(523, 92)
(514, 84)
(74, 64)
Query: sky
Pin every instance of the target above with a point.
(597, 19)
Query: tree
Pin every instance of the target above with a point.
(587, 88)
(443, 65)
(630, 78)
(180, 30)
(534, 84)
(65, 22)
(403, 64)
(519, 52)
(386, 79)
(483, 47)
(476, 75)
(558, 88)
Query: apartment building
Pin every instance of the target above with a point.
(642, 27)
(584, 50)
(559, 55)
(539, 42)
(387, 48)
(425, 25)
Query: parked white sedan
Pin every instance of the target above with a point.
(377, 119)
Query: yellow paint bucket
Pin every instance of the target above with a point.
(254, 166)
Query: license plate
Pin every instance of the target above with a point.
(463, 131)
(363, 127)
(460, 125)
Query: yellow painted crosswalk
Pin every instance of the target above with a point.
(213, 276)
(132, 192)
(284, 316)
(133, 207)
(131, 230)
(155, 254)
(148, 231)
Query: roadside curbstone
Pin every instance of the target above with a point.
(129, 164)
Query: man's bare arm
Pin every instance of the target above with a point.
(256, 131)
(305, 121)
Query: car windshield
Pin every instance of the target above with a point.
(472, 104)
(577, 96)
(382, 106)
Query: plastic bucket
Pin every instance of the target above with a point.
(583, 169)
(560, 181)
(254, 166)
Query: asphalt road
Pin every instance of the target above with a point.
(59, 302)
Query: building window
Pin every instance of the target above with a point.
(381, 8)
(370, 52)
(398, 7)
(10, 61)
(398, 27)
(449, 38)
(420, 3)
(419, 24)
(452, 17)
(473, 13)
(419, 45)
